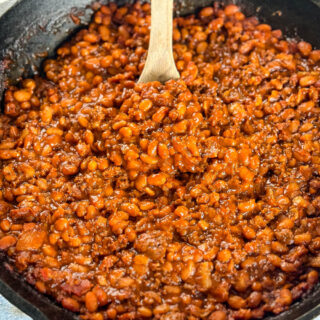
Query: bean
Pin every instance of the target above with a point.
(157, 179)
(247, 206)
(22, 95)
(145, 312)
(92, 165)
(312, 277)
(305, 48)
(285, 297)
(148, 159)
(249, 232)
(231, 9)
(61, 224)
(141, 182)
(83, 121)
(206, 12)
(125, 132)
(5, 225)
(218, 315)
(160, 114)
(303, 238)
(91, 301)
(161, 309)
(224, 255)
(7, 242)
(69, 169)
(8, 154)
(47, 114)
(315, 55)
(307, 81)
(145, 105)
(254, 299)
(236, 302)
(91, 37)
(71, 304)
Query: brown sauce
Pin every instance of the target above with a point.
(194, 199)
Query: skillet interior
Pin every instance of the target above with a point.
(33, 27)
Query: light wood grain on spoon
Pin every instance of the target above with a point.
(160, 65)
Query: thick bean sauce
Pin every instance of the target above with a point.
(197, 198)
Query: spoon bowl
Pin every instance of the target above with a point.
(160, 65)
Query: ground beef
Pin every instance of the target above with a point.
(197, 198)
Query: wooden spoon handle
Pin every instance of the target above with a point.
(160, 65)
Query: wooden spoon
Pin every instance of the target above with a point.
(160, 65)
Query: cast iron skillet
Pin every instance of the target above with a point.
(34, 27)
